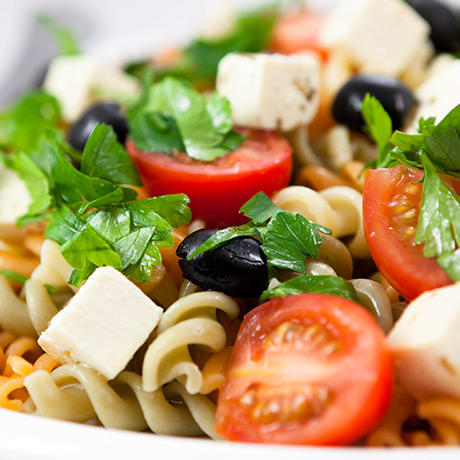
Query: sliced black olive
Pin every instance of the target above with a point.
(393, 94)
(109, 113)
(238, 269)
(444, 23)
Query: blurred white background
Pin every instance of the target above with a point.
(112, 29)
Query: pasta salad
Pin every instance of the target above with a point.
(253, 237)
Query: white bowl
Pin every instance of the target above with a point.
(118, 30)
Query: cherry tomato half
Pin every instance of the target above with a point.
(391, 207)
(305, 369)
(217, 190)
(298, 31)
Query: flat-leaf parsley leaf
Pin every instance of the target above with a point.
(172, 116)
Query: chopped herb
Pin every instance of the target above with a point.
(65, 40)
(86, 245)
(287, 239)
(53, 180)
(92, 213)
(439, 222)
(104, 157)
(199, 60)
(317, 284)
(13, 276)
(260, 209)
(36, 182)
(435, 150)
(124, 236)
(450, 263)
(378, 125)
(154, 132)
(22, 125)
(171, 116)
(21, 279)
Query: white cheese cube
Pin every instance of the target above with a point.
(219, 21)
(419, 67)
(380, 36)
(439, 94)
(14, 202)
(270, 91)
(14, 196)
(103, 325)
(426, 343)
(75, 80)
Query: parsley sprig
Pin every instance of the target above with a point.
(126, 236)
(24, 122)
(287, 239)
(65, 39)
(315, 284)
(435, 149)
(93, 212)
(171, 116)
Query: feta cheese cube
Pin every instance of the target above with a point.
(426, 343)
(14, 202)
(74, 81)
(419, 66)
(270, 91)
(380, 36)
(439, 94)
(14, 196)
(219, 21)
(103, 325)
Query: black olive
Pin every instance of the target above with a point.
(444, 23)
(393, 94)
(238, 269)
(109, 113)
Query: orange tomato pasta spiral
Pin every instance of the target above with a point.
(19, 357)
(434, 421)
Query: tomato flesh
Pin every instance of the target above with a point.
(305, 369)
(391, 207)
(298, 31)
(217, 190)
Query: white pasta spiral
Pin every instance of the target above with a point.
(339, 208)
(30, 312)
(76, 393)
(191, 320)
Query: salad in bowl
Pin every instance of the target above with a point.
(250, 237)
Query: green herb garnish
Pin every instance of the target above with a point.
(287, 239)
(201, 57)
(379, 126)
(435, 149)
(92, 213)
(23, 124)
(126, 236)
(104, 157)
(171, 116)
(13, 276)
(317, 284)
(21, 279)
(65, 39)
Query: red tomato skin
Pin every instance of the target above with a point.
(361, 381)
(399, 260)
(298, 31)
(217, 190)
